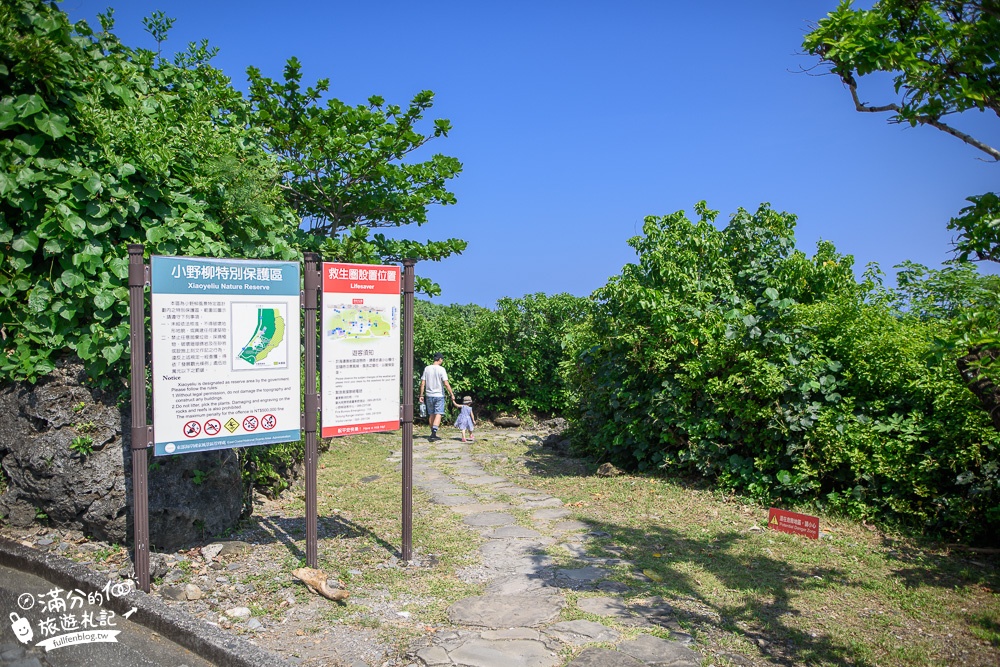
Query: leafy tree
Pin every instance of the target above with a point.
(344, 168)
(102, 145)
(728, 354)
(942, 55)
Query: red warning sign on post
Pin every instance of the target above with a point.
(793, 522)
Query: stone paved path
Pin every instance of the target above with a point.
(515, 622)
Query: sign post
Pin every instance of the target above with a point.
(226, 363)
(137, 280)
(311, 281)
(407, 551)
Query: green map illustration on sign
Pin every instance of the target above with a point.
(357, 322)
(266, 337)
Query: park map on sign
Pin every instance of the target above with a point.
(266, 337)
(351, 322)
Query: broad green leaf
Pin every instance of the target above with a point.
(112, 352)
(119, 267)
(27, 105)
(92, 183)
(29, 144)
(156, 234)
(83, 347)
(54, 246)
(51, 124)
(8, 114)
(104, 300)
(74, 224)
(72, 278)
(39, 298)
(25, 242)
(771, 293)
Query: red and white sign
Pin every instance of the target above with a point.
(793, 522)
(361, 324)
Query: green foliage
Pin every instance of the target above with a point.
(268, 468)
(100, 146)
(82, 445)
(728, 354)
(344, 170)
(978, 228)
(942, 57)
(508, 358)
(941, 54)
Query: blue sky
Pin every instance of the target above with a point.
(575, 120)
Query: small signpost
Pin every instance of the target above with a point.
(360, 322)
(226, 362)
(793, 522)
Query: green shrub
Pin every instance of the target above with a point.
(727, 354)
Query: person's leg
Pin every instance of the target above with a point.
(435, 405)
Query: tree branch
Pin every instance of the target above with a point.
(923, 120)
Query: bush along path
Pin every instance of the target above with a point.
(515, 620)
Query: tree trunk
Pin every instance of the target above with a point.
(985, 390)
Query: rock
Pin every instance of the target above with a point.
(89, 491)
(507, 422)
(180, 511)
(556, 440)
(210, 551)
(157, 566)
(235, 548)
(316, 581)
(255, 624)
(192, 592)
(84, 492)
(557, 424)
(505, 611)
(173, 593)
(241, 613)
(602, 657)
(608, 470)
(660, 652)
(578, 633)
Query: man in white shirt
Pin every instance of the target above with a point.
(435, 381)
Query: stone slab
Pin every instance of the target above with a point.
(477, 508)
(513, 532)
(583, 575)
(602, 657)
(505, 611)
(489, 519)
(516, 653)
(580, 632)
(660, 652)
(549, 502)
(481, 480)
(453, 501)
(572, 524)
(551, 514)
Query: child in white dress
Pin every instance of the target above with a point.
(466, 420)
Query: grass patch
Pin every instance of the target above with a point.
(855, 597)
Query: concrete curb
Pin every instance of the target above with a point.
(210, 643)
